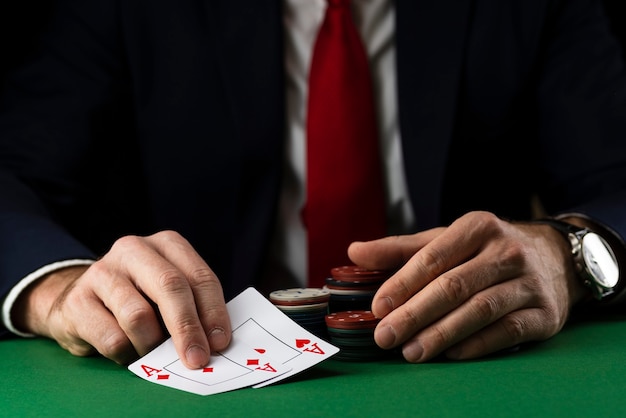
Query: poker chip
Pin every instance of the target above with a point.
(358, 274)
(351, 320)
(305, 306)
(353, 287)
(340, 285)
(299, 296)
(339, 312)
(350, 292)
(353, 333)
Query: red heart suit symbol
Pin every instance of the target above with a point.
(302, 343)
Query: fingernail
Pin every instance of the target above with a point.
(413, 352)
(385, 336)
(197, 356)
(382, 306)
(218, 339)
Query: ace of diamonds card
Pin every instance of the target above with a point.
(266, 347)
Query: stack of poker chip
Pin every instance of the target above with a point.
(305, 306)
(353, 333)
(352, 288)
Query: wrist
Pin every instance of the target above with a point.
(32, 307)
(593, 256)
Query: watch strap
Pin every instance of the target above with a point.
(561, 226)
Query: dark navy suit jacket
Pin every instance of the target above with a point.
(144, 115)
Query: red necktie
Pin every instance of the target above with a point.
(345, 195)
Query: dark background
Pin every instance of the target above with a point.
(21, 22)
(617, 15)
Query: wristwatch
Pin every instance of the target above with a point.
(593, 257)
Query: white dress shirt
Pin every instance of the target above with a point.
(375, 21)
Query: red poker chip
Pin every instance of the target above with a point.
(364, 288)
(352, 320)
(356, 274)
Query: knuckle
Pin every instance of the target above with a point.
(99, 268)
(69, 340)
(127, 241)
(452, 288)
(533, 285)
(487, 308)
(65, 337)
(168, 236)
(513, 254)
(115, 346)
(404, 289)
(431, 262)
(127, 244)
(439, 338)
(409, 321)
(172, 281)
(204, 277)
(136, 316)
(552, 322)
(515, 328)
(75, 295)
(214, 313)
(79, 349)
(188, 326)
(486, 219)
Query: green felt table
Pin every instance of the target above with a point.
(581, 372)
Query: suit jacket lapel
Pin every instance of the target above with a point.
(430, 40)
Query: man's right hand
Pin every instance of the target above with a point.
(124, 304)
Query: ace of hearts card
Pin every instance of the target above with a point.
(266, 347)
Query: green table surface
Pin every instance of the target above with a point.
(581, 372)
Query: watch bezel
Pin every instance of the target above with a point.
(606, 277)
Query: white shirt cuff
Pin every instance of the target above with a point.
(7, 305)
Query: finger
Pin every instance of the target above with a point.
(442, 296)
(389, 253)
(134, 314)
(206, 288)
(454, 246)
(101, 330)
(511, 330)
(166, 285)
(82, 325)
(480, 311)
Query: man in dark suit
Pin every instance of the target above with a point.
(499, 102)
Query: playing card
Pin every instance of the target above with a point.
(239, 366)
(266, 346)
(294, 346)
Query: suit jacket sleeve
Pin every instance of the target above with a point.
(582, 97)
(45, 128)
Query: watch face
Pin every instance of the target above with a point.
(600, 260)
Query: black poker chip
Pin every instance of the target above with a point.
(353, 287)
(353, 333)
(307, 307)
